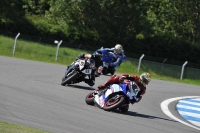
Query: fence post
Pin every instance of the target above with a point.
(58, 45)
(138, 69)
(183, 70)
(14, 47)
(163, 62)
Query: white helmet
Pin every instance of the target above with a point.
(118, 48)
(145, 78)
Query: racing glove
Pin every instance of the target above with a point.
(100, 87)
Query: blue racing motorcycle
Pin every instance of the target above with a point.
(107, 58)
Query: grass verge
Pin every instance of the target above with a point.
(12, 128)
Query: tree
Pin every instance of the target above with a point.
(179, 19)
(111, 21)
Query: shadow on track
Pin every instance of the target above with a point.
(81, 87)
(108, 75)
(135, 114)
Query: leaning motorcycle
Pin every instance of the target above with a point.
(107, 58)
(78, 71)
(114, 97)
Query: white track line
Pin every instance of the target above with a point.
(165, 109)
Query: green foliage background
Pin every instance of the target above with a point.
(158, 28)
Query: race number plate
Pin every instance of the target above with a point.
(87, 71)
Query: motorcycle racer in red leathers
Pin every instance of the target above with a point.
(141, 82)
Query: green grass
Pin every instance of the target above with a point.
(12, 128)
(46, 53)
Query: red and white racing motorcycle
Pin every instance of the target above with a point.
(116, 96)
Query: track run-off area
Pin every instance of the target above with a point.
(31, 95)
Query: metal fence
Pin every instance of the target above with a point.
(175, 71)
(165, 69)
(171, 70)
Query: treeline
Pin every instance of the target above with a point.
(157, 28)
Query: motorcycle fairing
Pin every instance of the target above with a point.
(114, 88)
(81, 64)
(100, 100)
(87, 71)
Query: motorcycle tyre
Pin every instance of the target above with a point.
(105, 71)
(123, 109)
(69, 79)
(89, 99)
(112, 72)
(119, 103)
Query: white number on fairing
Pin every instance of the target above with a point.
(81, 63)
(87, 71)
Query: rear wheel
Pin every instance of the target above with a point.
(105, 71)
(69, 79)
(90, 99)
(114, 102)
(112, 71)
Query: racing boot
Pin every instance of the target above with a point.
(134, 100)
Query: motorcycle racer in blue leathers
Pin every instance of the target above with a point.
(111, 58)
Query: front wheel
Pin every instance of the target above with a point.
(69, 79)
(114, 102)
(90, 99)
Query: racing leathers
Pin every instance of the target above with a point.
(119, 57)
(109, 56)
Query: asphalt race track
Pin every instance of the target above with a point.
(31, 95)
